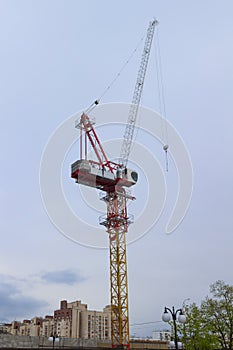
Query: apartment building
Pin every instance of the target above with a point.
(96, 324)
(25, 328)
(74, 320)
(15, 327)
(47, 328)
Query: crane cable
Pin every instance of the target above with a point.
(96, 102)
(162, 108)
(160, 87)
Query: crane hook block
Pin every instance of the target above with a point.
(165, 147)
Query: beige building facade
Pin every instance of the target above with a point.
(47, 328)
(72, 320)
(96, 324)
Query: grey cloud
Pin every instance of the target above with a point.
(13, 304)
(67, 276)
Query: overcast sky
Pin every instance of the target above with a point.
(56, 58)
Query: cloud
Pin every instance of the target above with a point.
(67, 276)
(15, 305)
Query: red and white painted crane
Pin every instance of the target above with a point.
(113, 178)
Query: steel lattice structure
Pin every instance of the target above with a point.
(117, 222)
(129, 130)
(113, 179)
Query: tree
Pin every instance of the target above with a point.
(196, 334)
(210, 326)
(218, 312)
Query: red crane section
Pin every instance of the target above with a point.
(113, 178)
(85, 122)
(101, 173)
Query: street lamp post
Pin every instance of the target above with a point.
(166, 317)
(54, 338)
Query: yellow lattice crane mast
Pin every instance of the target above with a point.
(114, 178)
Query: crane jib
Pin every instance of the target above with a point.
(129, 130)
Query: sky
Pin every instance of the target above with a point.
(56, 58)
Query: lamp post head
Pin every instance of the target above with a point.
(53, 338)
(182, 317)
(166, 317)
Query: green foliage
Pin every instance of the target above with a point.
(219, 313)
(196, 332)
(210, 326)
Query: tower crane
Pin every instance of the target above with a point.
(114, 179)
